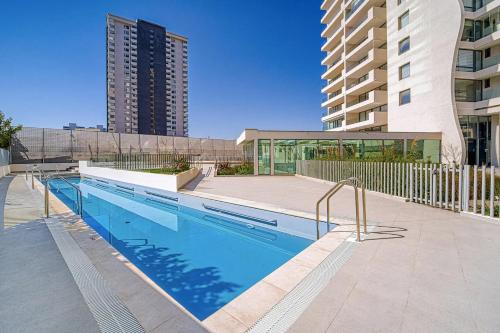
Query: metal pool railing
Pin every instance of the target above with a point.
(355, 183)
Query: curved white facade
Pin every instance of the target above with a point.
(434, 30)
(424, 66)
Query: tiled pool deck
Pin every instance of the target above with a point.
(423, 269)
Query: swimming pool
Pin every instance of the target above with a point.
(203, 257)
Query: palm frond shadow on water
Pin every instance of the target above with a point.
(200, 290)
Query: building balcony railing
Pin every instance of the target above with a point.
(355, 5)
(474, 5)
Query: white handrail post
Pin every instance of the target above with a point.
(483, 190)
(492, 191)
(358, 232)
(474, 191)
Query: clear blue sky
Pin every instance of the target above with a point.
(252, 64)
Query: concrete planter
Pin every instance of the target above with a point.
(157, 181)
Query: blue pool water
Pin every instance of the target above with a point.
(202, 260)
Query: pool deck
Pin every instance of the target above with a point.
(37, 290)
(422, 269)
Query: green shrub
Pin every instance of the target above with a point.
(225, 169)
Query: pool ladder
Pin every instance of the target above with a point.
(356, 184)
(44, 176)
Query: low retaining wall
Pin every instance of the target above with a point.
(157, 181)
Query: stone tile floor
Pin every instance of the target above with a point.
(423, 269)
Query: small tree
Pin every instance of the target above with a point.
(7, 130)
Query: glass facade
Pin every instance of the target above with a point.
(477, 135)
(468, 90)
(284, 156)
(287, 152)
(469, 60)
(475, 30)
(424, 150)
(264, 157)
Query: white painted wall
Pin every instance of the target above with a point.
(434, 29)
(170, 183)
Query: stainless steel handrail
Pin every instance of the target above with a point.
(355, 183)
(44, 176)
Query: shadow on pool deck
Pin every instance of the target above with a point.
(37, 291)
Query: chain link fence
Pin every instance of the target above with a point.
(45, 145)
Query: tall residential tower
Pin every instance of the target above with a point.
(416, 66)
(147, 78)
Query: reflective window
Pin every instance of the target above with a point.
(468, 90)
(372, 149)
(404, 20)
(284, 156)
(307, 149)
(405, 97)
(424, 150)
(404, 71)
(328, 149)
(404, 45)
(264, 156)
(351, 149)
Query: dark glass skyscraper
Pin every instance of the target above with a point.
(146, 78)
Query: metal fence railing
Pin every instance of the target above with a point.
(460, 188)
(44, 145)
(144, 161)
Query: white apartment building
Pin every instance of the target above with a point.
(416, 66)
(147, 78)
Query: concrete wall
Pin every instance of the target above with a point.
(434, 29)
(155, 181)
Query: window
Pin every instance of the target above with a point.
(487, 52)
(404, 20)
(404, 45)
(469, 60)
(468, 90)
(487, 83)
(405, 97)
(404, 71)
(364, 116)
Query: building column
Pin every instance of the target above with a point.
(495, 140)
(256, 157)
(271, 156)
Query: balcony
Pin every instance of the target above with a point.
(338, 112)
(374, 59)
(334, 40)
(334, 99)
(371, 100)
(375, 119)
(334, 69)
(334, 84)
(334, 54)
(376, 37)
(334, 126)
(334, 21)
(375, 17)
(327, 3)
(358, 8)
(373, 79)
(331, 11)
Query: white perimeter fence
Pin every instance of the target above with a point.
(460, 188)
